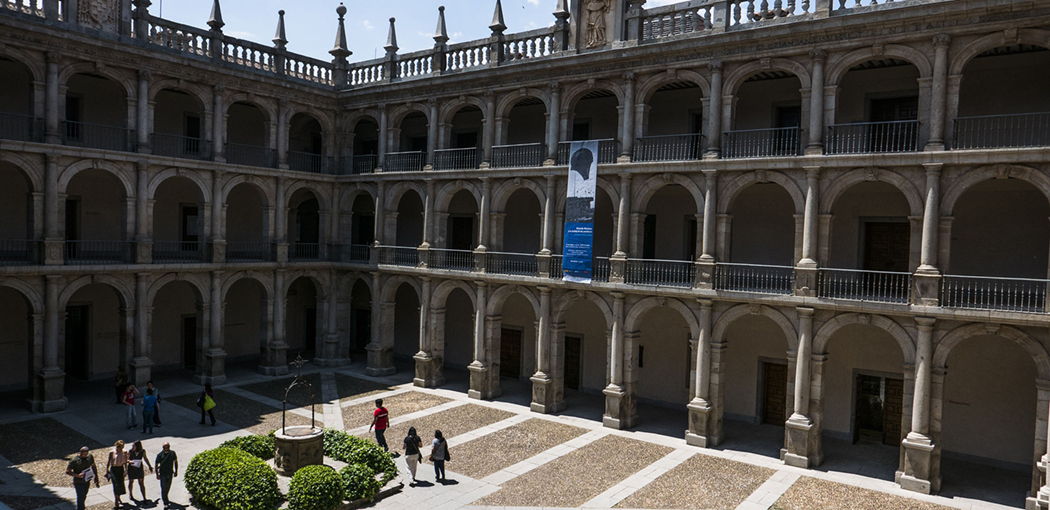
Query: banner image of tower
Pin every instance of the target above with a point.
(577, 262)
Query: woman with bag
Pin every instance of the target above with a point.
(439, 455)
(136, 457)
(118, 459)
(412, 456)
(207, 403)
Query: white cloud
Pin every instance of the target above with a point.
(240, 34)
(534, 2)
(367, 24)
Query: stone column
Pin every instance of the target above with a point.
(424, 361)
(553, 123)
(330, 342)
(281, 221)
(623, 215)
(488, 138)
(380, 353)
(53, 219)
(214, 371)
(428, 215)
(544, 398)
(627, 130)
(52, 128)
(218, 130)
(432, 364)
(51, 379)
(928, 277)
(218, 219)
(714, 113)
(480, 387)
(618, 404)
(432, 133)
(484, 209)
(276, 356)
(806, 268)
(377, 229)
(1041, 501)
(938, 92)
(705, 263)
(816, 103)
(918, 446)
(800, 431)
(282, 134)
(143, 240)
(142, 113)
(140, 361)
(703, 428)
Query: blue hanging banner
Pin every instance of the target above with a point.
(578, 244)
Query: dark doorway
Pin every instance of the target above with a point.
(466, 140)
(308, 221)
(774, 393)
(510, 353)
(360, 327)
(461, 232)
(189, 226)
(896, 108)
(879, 404)
(788, 116)
(189, 341)
(581, 130)
(78, 337)
(689, 250)
(72, 219)
(886, 245)
(649, 237)
(573, 359)
(363, 229)
(309, 332)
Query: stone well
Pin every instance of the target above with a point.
(296, 447)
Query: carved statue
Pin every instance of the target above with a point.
(100, 14)
(596, 10)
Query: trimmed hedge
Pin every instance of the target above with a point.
(359, 482)
(258, 445)
(353, 450)
(316, 488)
(232, 479)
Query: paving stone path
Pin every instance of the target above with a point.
(503, 455)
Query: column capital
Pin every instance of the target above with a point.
(941, 40)
(715, 66)
(925, 322)
(544, 290)
(705, 303)
(812, 172)
(818, 54)
(804, 311)
(933, 169)
(628, 76)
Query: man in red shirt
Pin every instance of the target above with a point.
(380, 421)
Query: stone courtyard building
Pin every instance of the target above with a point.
(827, 219)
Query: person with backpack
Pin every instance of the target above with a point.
(412, 455)
(439, 455)
(206, 401)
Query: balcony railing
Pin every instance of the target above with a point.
(249, 251)
(358, 252)
(364, 163)
(178, 146)
(556, 271)
(522, 264)
(411, 161)
(999, 131)
(994, 293)
(399, 255)
(761, 143)
(306, 162)
(15, 126)
(600, 269)
(756, 278)
(520, 155)
(457, 159)
(304, 251)
(253, 155)
(98, 252)
(873, 137)
(662, 273)
(608, 150)
(177, 251)
(669, 147)
(17, 251)
(98, 136)
(459, 260)
(857, 285)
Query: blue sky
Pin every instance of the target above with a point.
(311, 24)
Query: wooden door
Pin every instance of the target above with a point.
(774, 393)
(892, 410)
(510, 353)
(573, 358)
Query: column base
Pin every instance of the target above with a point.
(380, 361)
(481, 382)
(273, 370)
(814, 150)
(54, 252)
(281, 252)
(428, 371)
(806, 279)
(140, 370)
(918, 456)
(276, 362)
(705, 274)
(619, 408)
(49, 394)
(331, 362)
(544, 399)
(214, 370)
(926, 287)
(702, 429)
(801, 447)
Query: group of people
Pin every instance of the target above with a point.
(128, 395)
(439, 453)
(131, 465)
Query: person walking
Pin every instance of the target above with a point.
(412, 456)
(84, 471)
(118, 461)
(207, 403)
(439, 455)
(136, 472)
(380, 421)
(149, 409)
(156, 410)
(128, 399)
(167, 468)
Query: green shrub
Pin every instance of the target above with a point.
(315, 488)
(353, 450)
(258, 445)
(359, 482)
(232, 479)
